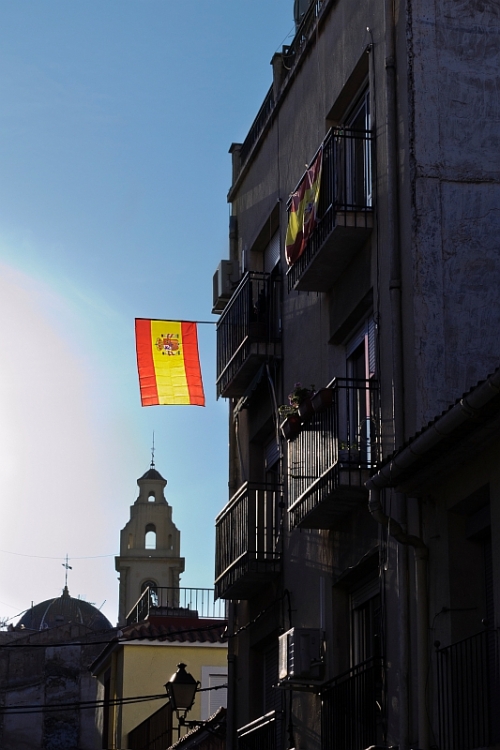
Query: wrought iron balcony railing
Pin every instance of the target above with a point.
(291, 55)
(257, 126)
(248, 332)
(469, 693)
(262, 734)
(345, 218)
(332, 457)
(246, 540)
(177, 602)
(351, 708)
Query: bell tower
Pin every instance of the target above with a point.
(150, 544)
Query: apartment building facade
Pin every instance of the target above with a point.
(390, 313)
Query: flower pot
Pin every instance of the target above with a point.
(322, 399)
(290, 428)
(305, 410)
(350, 457)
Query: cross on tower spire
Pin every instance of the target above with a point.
(67, 567)
(153, 452)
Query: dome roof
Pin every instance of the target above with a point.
(63, 610)
(152, 474)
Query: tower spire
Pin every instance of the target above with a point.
(153, 452)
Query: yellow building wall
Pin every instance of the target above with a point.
(148, 666)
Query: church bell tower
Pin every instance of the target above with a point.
(150, 544)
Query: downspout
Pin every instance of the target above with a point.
(394, 252)
(421, 553)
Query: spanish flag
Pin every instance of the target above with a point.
(303, 208)
(168, 362)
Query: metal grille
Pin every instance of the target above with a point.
(336, 447)
(252, 316)
(346, 188)
(262, 734)
(246, 534)
(257, 126)
(351, 709)
(468, 693)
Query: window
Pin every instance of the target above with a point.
(354, 164)
(360, 369)
(272, 253)
(150, 537)
(365, 622)
(216, 696)
(153, 592)
(151, 497)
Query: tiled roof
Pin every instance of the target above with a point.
(456, 434)
(152, 474)
(176, 630)
(214, 726)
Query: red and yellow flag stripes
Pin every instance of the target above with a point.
(303, 208)
(168, 362)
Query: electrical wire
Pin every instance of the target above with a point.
(61, 557)
(82, 705)
(116, 639)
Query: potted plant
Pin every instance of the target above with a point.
(322, 399)
(290, 427)
(300, 398)
(348, 453)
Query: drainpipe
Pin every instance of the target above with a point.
(394, 253)
(421, 553)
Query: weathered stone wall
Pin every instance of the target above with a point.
(454, 58)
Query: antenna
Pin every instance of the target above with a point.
(153, 452)
(68, 567)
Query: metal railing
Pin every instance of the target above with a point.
(251, 316)
(262, 734)
(468, 693)
(346, 188)
(351, 708)
(246, 534)
(154, 733)
(292, 52)
(257, 126)
(337, 446)
(176, 602)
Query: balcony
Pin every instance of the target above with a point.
(333, 455)
(345, 213)
(248, 332)
(246, 555)
(351, 714)
(262, 734)
(469, 693)
(176, 602)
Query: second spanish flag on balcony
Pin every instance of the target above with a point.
(168, 362)
(303, 208)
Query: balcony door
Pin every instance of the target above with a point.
(365, 623)
(360, 369)
(356, 191)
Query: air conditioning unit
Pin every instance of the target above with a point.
(223, 285)
(301, 654)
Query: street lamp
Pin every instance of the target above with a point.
(181, 689)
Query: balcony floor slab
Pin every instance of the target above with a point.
(352, 229)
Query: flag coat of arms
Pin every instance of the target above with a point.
(303, 209)
(168, 362)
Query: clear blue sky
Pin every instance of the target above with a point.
(116, 118)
